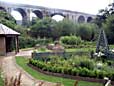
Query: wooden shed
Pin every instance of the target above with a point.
(7, 37)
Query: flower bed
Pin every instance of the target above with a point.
(74, 66)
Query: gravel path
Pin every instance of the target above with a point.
(10, 68)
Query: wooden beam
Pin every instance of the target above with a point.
(17, 44)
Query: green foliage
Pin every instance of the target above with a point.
(74, 65)
(70, 40)
(87, 64)
(21, 61)
(104, 14)
(42, 28)
(26, 42)
(22, 30)
(42, 49)
(109, 28)
(86, 31)
(1, 81)
(7, 19)
(1, 78)
(81, 71)
(105, 20)
(50, 28)
(64, 28)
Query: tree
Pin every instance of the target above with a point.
(109, 28)
(63, 28)
(42, 28)
(86, 31)
(104, 14)
(105, 20)
(7, 19)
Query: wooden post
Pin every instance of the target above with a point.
(17, 44)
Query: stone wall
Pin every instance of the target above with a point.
(41, 55)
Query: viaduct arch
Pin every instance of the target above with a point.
(41, 12)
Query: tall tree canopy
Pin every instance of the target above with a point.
(7, 19)
(104, 14)
(42, 28)
(105, 20)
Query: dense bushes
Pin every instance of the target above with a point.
(85, 72)
(76, 42)
(30, 42)
(105, 20)
(87, 31)
(51, 29)
(42, 28)
(87, 64)
(7, 19)
(75, 65)
(26, 42)
(70, 40)
(108, 26)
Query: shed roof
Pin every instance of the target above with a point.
(4, 30)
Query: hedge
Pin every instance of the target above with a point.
(70, 40)
(84, 72)
(26, 42)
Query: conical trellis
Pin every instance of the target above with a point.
(102, 44)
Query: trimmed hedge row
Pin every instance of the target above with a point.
(70, 40)
(84, 72)
(30, 42)
(76, 42)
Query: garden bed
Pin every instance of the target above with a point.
(68, 76)
(21, 61)
(76, 66)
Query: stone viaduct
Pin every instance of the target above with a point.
(42, 12)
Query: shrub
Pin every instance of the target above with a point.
(85, 68)
(87, 63)
(92, 74)
(84, 72)
(76, 71)
(86, 31)
(70, 40)
(26, 42)
(59, 69)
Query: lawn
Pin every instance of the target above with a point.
(21, 61)
(1, 81)
(80, 49)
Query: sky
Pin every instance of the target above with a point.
(87, 6)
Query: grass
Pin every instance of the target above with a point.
(1, 81)
(80, 49)
(111, 46)
(21, 61)
(41, 50)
